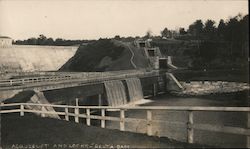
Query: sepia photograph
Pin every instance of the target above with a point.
(124, 74)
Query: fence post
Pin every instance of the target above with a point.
(66, 114)
(103, 119)
(248, 126)
(149, 122)
(22, 81)
(122, 120)
(99, 99)
(190, 130)
(77, 111)
(43, 109)
(88, 117)
(11, 82)
(22, 110)
(154, 89)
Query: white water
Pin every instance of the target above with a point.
(116, 94)
(134, 89)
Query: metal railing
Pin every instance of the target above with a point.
(122, 119)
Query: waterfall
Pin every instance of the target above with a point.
(116, 94)
(134, 89)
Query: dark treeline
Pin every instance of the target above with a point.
(223, 46)
(43, 40)
(233, 30)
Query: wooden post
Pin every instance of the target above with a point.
(22, 81)
(11, 82)
(77, 112)
(66, 114)
(43, 110)
(122, 120)
(165, 84)
(99, 99)
(190, 130)
(103, 119)
(154, 89)
(77, 102)
(149, 122)
(248, 126)
(22, 110)
(88, 117)
(76, 115)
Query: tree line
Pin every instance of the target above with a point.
(217, 46)
(43, 40)
(234, 29)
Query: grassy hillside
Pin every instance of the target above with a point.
(105, 55)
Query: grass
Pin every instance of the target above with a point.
(105, 55)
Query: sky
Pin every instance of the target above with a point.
(94, 19)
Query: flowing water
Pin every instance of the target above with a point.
(134, 89)
(116, 94)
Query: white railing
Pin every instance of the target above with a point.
(91, 76)
(122, 119)
(13, 82)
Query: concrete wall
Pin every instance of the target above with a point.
(34, 58)
(5, 42)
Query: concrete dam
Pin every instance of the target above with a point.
(27, 58)
(108, 99)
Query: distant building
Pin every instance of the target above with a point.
(5, 41)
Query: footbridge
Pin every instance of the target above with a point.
(84, 81)
(54, 80)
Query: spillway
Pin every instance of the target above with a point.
(134, 89)
(116, 94)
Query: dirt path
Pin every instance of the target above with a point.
(132, 56)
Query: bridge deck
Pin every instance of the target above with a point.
(64, 80)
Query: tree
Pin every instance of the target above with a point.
(221, 29)
(117, 37)
(182, 31)
(209, 29)
(58, 41)
(41, 40)
(49, 41)
(166, 33)
(32, 41)
(196, 28)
